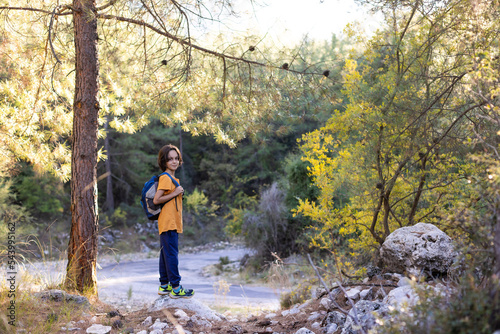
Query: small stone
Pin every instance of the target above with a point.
(331, 328)
(202, 322)
(158, 325)
(263, 323)
(314, 316)
(353, 293)
(326, 303)
(270, 315)
(156, 331)
(113, 314)
(98, 329)
(366, 294)
(148, 321)
(117, 324)
(304, 330)
(236, 329)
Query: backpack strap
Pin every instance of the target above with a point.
(173, 180)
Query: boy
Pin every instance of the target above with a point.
(170, 223)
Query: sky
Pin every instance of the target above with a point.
(289, 20)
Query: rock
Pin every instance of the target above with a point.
(177, 332)
(366, 294)
(372, 271)
(326, 303)
(318, 293)
(264, 323)
(158, 325)
(331, 328)
(404, 281)
(400, 296)
(294, 310)
(334, 317)
(365, 310)
(143, 332)
(314, 316)
(422, 248)
(117, 324)
(186, 304)
(59, 296)
(113, 314)
(201, 321)
(98, 329)
(181, 315)
(156, 331)
(304, 330)
(305, 304)
(236, 329)
(270, 315)
(148, 321)
(353, 293)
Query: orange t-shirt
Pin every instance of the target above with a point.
(171, 214)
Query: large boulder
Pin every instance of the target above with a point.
(419, 249)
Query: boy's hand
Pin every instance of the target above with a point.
(179, 190)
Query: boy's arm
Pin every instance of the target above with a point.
(161, 197)
(166, 190)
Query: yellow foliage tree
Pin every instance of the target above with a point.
(398, 153)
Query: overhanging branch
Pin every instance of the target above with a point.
(30, 9)
(188, 43)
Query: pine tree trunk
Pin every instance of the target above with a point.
(82, 249)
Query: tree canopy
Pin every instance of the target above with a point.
(420, 98)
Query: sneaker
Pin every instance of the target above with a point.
(165, 290)
(183, 293)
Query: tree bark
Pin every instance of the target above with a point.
(82, 248)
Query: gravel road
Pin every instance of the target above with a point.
(134, 284)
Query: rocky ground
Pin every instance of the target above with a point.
(317, 315)
(339, 310)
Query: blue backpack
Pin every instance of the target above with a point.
(148, 194)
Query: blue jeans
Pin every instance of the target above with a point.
(169, 258)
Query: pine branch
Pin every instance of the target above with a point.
(188, 43)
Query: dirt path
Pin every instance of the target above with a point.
(133, 284)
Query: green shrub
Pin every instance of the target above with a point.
(301, 293)
(474, 308)
(41, 194)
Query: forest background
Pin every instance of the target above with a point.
(326, 149)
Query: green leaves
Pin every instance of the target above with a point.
(396, 150)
